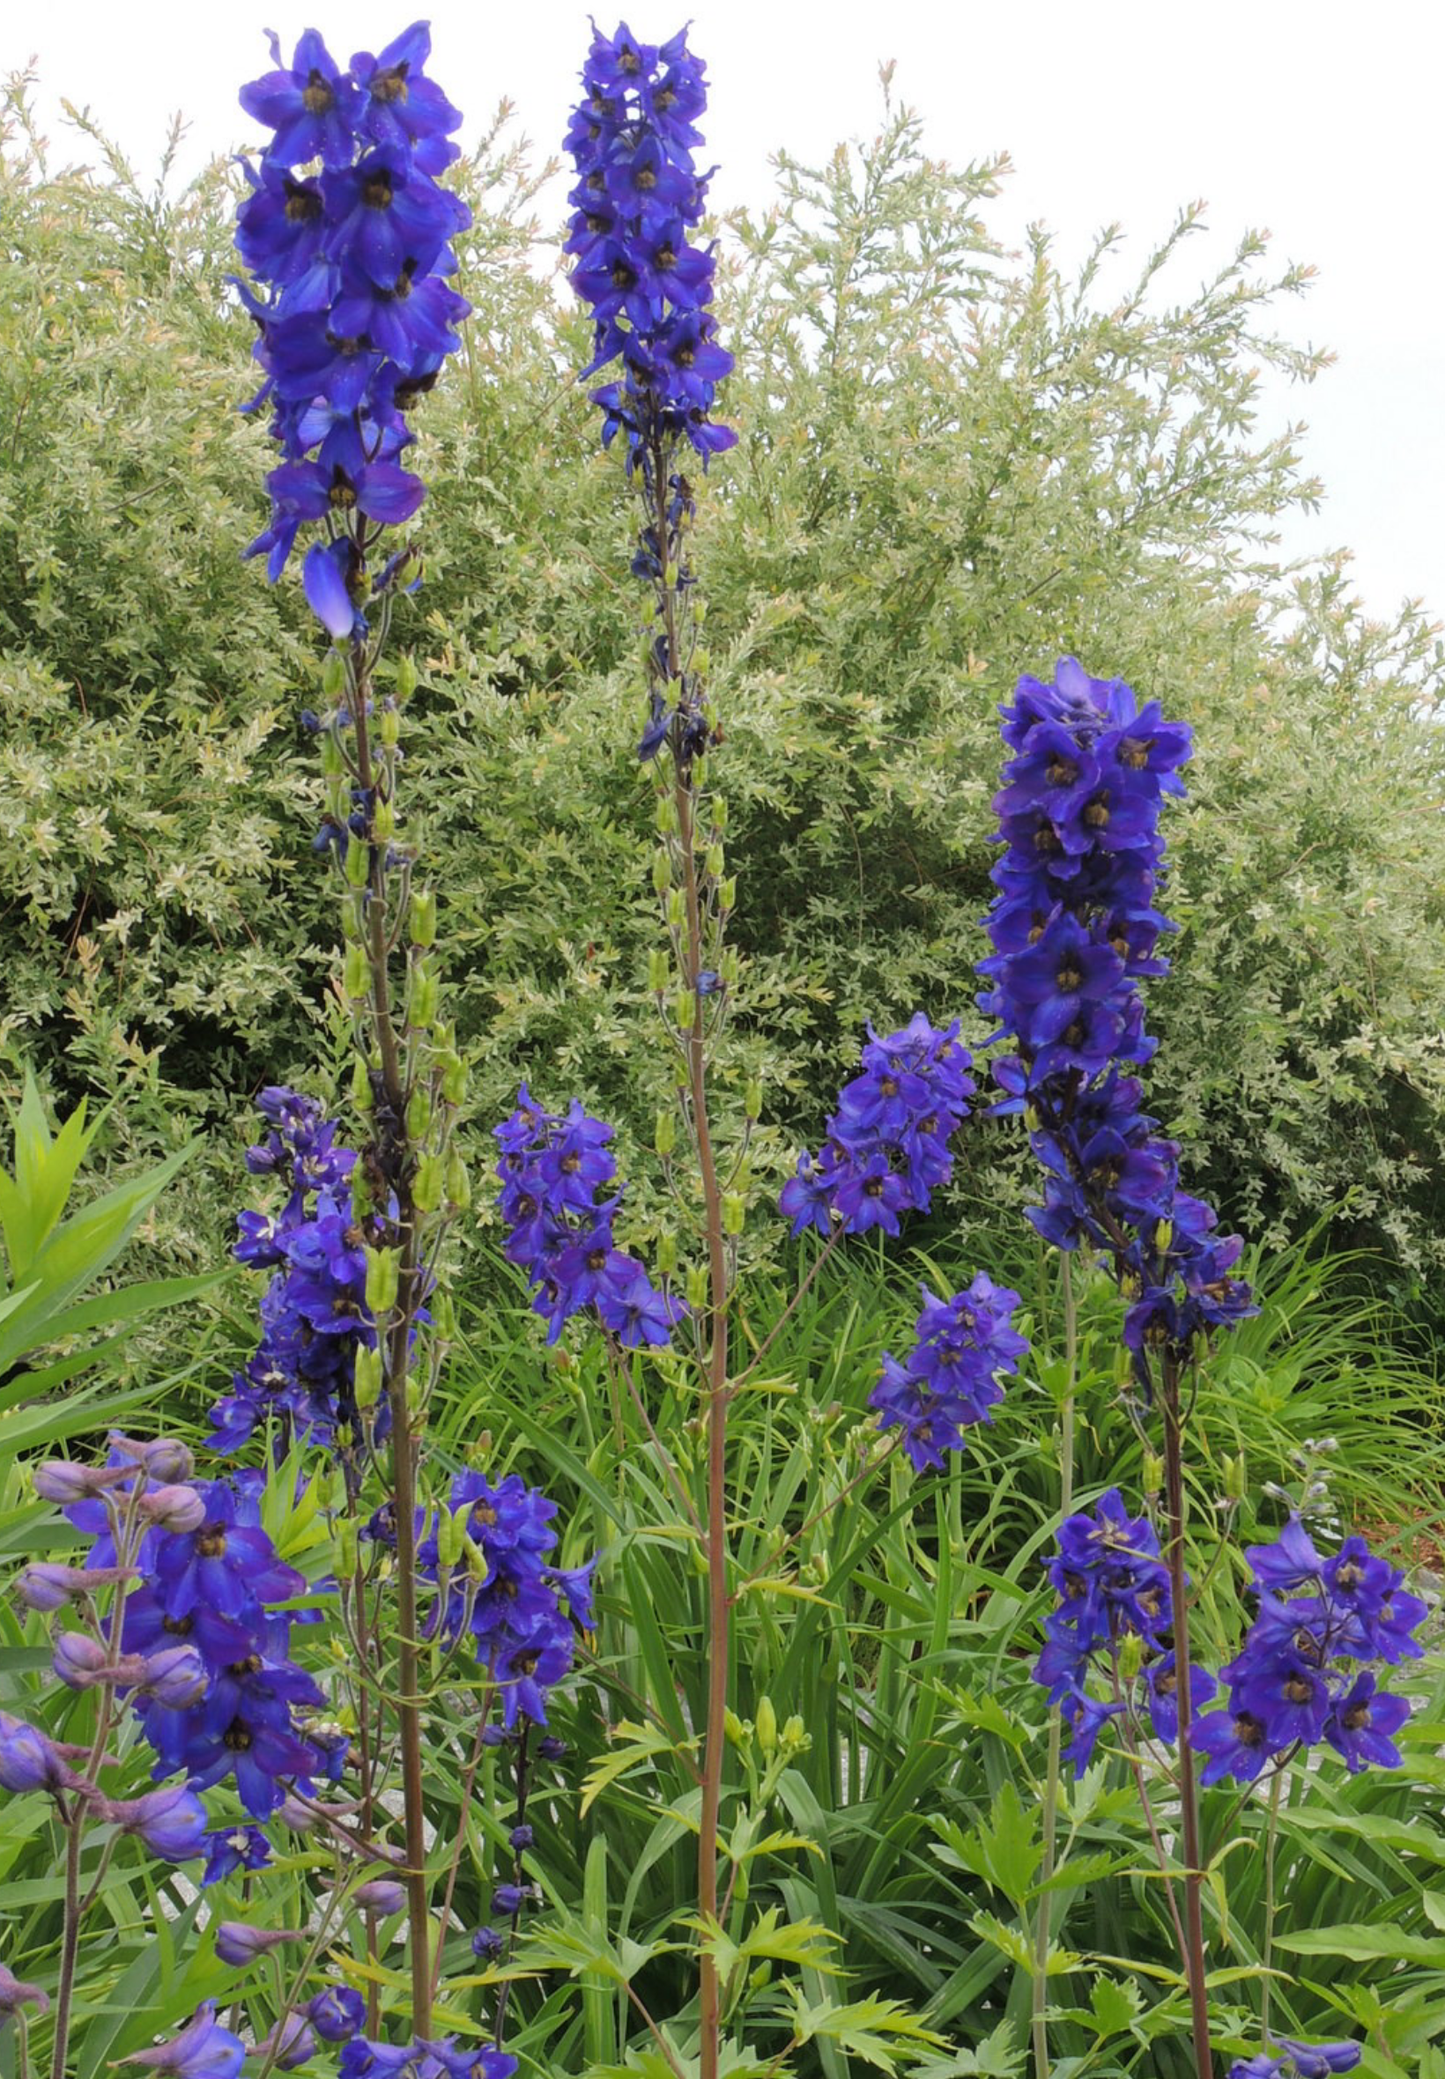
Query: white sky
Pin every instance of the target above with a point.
(1316, 119)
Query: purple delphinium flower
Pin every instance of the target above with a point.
(552, 1169)
(203, 2050)
(887, 1143)
(1291, 2060)
(1075, 930)
(356, 315)
(950, 1379)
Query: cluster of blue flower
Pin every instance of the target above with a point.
(887, 1145)
(207, 2049)
(357, 317)
(552, 1167)
(519, 1608)
(314, 1316)
(1112, 1585)
(637, 196)
(949, 1379)
(1074, 929)
(1302, 1674)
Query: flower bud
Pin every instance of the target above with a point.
(79, 1660)
(487, 1944)
(337, 2014)
(507, 1900)
(382, 1895)
(61, 1480)
(28, 1760)
(550, 1748)
(767, 1725)
(171, 1821)
(176, 1677)
(15, 1993)
(289, 2044)
(165, 1459)
(173, 1508)
(48, 1586)
(1236, 1479)
(796, 1737)
(739, 1733)
(239, 1945)
(521, 1837)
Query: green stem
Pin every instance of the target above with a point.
(1271, 1842)
(1194, 1961)
(1054, 1772)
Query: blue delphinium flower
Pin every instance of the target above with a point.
(203, 2050)
(362, 2059)
(950, 1378)
(1112, 1585)
(1075, 929)
(552, 1169)
(1291, 2060)
(356, 315)
(521, 1611)
(887, 1145)
(638, 195)
(1303, 1673)
(314, 1316)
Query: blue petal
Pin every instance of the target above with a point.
(326, 592)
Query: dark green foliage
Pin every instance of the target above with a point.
(953, 466)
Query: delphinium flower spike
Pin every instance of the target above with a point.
(950, 1379)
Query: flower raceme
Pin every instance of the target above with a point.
(950, 1379)
(348, 233)
(1075, 929)
(638, 195)
(887, 1144)
(1304, 1673)
(552, 1168)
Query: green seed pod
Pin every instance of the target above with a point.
(444, 1321)
(368, 1379)
(728, 966)
(426, 1185)
(333, 675)
(665, 1255)
(667, 815)
(661, 873)
(425, 996)
(727, 893)
(355, 974)
(383, 822)
(1131, 1656)
(676, 908)
(719, 815)
(422, 917)
(664, 1134)
(684, 1009)
(333, 765)
(659, 971)
(459, 1182)
(753, 1100)
(1153, 1475)
(713, 861)
(361, 1096)
(343, 1549)
(418, 1112)
(701, 662)
(454, 1081)
(1236, 1484)
(696, 1286)
(405, 680)
(357, 868)
(388, 726)
(383, 1278)
(734, 1212)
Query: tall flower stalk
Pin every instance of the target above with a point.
(637, 199)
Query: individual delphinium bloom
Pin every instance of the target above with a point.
(951, 1377)
(1290, 2060)
(16, 1993)
(314, 1316)
(203, 2050)
(443, 2059)
(337, 2014)
(1075, 929)
(502, 1591)
(228, 1849)
(30, 1760)
(555, 1169)
(355, 313)
(1305, 1672)
(886, 1149)
(1112, 1586)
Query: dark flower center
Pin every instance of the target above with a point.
(666, 258)
(873, 1188)
(303, 205)
(1096, 815)
(1068, 977)
(1297, 1690)
(1248, 1730)
(316, 95)
(645, 178)
(628, 61)
(1357, 1717)
(211, 1544)
(390, 85)
(342, 493)
(1134, 753)
(685, 356)
(237, 1737)
(376, 190)
(1060, 772)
